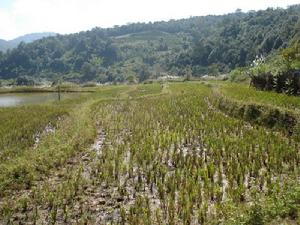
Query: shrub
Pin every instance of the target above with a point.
(287, 82)
(256, 215)
(238, 75)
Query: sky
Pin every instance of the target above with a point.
(19, 17)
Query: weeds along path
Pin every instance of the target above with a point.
(55, 160)
(166, 158)
(21, 176)
(23, 160)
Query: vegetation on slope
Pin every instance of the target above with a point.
(279, 72)
(138, 51)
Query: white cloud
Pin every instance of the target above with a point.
(68, 16)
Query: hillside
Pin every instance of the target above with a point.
(198, 45)
(5, 45)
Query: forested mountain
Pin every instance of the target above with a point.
(5, 45)
(198, 45)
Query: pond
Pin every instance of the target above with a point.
(16, 99)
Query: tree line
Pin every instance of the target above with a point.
(139, 51)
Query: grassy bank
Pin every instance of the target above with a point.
(272, 110)
(248, 94)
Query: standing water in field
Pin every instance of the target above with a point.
(16, 99)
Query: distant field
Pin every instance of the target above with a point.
(138, 38)
(157, 153)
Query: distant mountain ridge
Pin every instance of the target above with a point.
(27, 38)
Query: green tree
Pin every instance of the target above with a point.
(291, 54)
(143, 73)
(213, 70)
(88, 71)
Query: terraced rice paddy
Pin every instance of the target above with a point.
(145, 154)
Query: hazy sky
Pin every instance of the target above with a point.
(18, 17)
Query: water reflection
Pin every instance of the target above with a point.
(16, 99)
